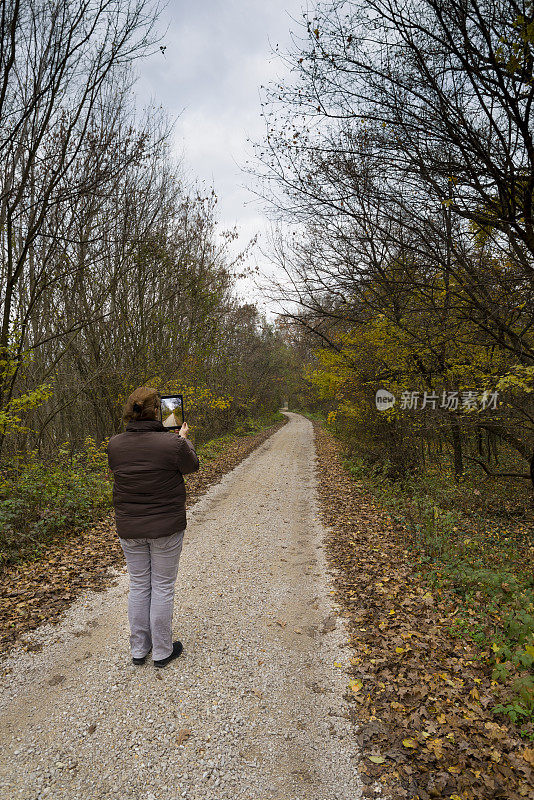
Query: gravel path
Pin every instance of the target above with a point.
(252, 710)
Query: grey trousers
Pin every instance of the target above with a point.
(153, 566)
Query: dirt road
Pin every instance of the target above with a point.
(251, 710)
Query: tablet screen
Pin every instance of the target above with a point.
(172, 410)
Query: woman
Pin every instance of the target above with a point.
(148, 462)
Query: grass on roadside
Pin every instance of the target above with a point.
(480, 553)
(40, 501)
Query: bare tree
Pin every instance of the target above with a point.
(403, 149)
(60, 63)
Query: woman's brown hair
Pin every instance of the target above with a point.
(142, 404)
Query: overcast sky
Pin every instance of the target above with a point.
(218, 54)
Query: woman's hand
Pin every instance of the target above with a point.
(183, 430)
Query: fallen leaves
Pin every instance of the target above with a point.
(409, 743)
(39, 591)
(182, 736)
(436, 746)
(424, 722)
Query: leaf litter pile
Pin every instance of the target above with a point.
(39, 591)
(419, 697)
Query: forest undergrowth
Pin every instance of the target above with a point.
(441, 681)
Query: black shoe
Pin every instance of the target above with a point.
(177, 648)
(140, 660)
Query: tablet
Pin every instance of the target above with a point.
(172, 410)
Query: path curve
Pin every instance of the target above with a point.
(253, 708)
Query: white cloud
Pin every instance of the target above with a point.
(218, 53)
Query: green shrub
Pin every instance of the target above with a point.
(40, 501)
(479, 558)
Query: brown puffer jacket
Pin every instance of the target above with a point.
(148, 462)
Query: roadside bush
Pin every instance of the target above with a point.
(482, 557)
(40, 501)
